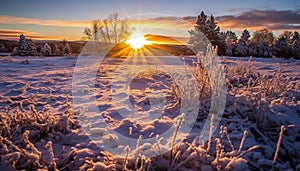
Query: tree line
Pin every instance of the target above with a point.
(262, 44)
(27, 47)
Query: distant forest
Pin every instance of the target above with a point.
(76, 46)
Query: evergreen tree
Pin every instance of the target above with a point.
(209, 27)
(242, 48)
(22, 46)
(264, 50)
(282, 48)
(252, 49)
(31, 48)
(296, 45)
(26, 47)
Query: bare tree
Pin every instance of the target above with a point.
(114, 24)
(109, 30)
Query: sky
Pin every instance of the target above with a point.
(66, 19)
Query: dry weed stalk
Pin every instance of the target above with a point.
(282, 129)
(243, 141)
(175, 135)
(210, 133)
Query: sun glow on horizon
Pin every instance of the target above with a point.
(137, 41)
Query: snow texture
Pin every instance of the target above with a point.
(40, 128)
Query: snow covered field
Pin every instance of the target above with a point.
(40, 129)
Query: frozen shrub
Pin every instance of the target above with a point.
(67, 49)
(46, 50)
(22, 130)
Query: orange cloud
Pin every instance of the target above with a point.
(174, 26)
(19, 20)
(14, 34)
(166, 25)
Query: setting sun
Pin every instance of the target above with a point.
(137, 41)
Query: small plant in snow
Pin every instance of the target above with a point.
(46, 50)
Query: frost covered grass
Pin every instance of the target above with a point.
(23, 131)
(263, 103)
(259, 129)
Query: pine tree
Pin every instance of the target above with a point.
(296, 45)
(264, 50)
(31, 47)
(282, 48)
(26, 47)
(209, 27)
(242, 48)
(22, 46)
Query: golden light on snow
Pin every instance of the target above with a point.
(137, 41)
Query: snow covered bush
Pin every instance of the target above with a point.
(258, 101)
(46, 50)
(23, 133)
(198, 40)
(56, 51)
(67, 49)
